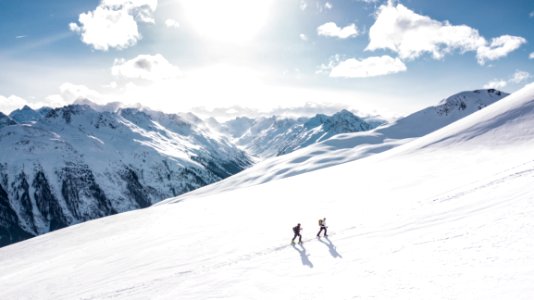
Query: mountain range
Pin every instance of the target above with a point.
(448, 215)
(275, 136)
(63, 166)
(73, 164)
(345, 147)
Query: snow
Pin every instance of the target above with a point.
(446, 216)
(273, 136)
(79, 162)
(347, 147)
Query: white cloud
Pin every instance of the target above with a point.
(520, 76)
(69, 92)
(172, 23)
(496, 84)
(141, 9)
(411, 35)
(531, 14)
(328, 5)
(531, 55)
(11, 103)
(303, 37)
(146, 67)
(368, 67)
(305, 109)
(114, 23)
(332, 30)
(517, 77)
(499, 47)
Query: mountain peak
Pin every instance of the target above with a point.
(343, 118)
(6, 120)
(109, 107)
(67, 112)
(25, 115)
(470, 100)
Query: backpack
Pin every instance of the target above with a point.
(296, 229)
(320, 222)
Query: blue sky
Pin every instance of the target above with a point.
(233, 56)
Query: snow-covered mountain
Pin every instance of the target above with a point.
(28, 115)
(446, 216)
(110, 178)
(345, 147)
(274, 136)
(5, 120)
(76, 164)
(447, 111)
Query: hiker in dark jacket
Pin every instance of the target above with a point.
(322, 225)
(296, 231)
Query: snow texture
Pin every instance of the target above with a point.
(449, 215)
(345, 147)
(274, 136)
(84, 161)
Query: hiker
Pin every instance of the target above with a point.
(322, 224)
(296, 231)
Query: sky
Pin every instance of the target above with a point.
(232, 57)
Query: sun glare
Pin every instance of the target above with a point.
(234, 21)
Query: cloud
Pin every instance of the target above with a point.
(172, 23)
(531, 14)
(330, 29)
(303, 37)
(531, 55)
(520, 76)
(69, 92)
(496, 84)
(328, 5)
(146, 67)
(411, 35)
(499, 47)
(11, 103)
(517, 78)
(368, 67)
(114, 23)
(307, 109)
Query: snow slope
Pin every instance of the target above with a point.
(447, 216)
(82, 162)
(345, 147)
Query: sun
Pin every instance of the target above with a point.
(233, 21)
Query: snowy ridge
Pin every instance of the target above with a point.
(76, 164)
(493, 125)
(27, 115)
(5, 120)
(345, 147)
(434, 218)
(274, 136)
